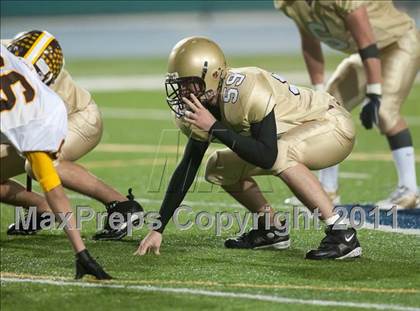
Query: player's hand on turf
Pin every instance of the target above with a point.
(198, 115)
(150, 243)
(370, 110)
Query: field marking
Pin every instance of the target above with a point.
(136, 113)
(165, 114)
(125, 163)
(156, 82)
(355, 156)
(108, 83)
(175, 149)
(354, 175)
(210, 293)
(229, 285)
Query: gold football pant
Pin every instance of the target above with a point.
(315, 144)
(84, 134)
(400, 64)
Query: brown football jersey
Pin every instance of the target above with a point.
(326, 21)
(249, 94)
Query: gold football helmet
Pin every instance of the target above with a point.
(196, 65)
(42, 50)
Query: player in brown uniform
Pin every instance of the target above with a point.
(84, 133)
(269, 128)
(385, 58)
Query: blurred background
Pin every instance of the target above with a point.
(108, 29)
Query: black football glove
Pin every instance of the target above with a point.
(370, 110)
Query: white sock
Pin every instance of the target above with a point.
(404, 160)
(329, 178)
(333, 220)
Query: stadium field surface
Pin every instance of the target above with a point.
(140, 148)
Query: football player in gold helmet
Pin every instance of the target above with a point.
(42, 50)
(269, 127)
(384, 48)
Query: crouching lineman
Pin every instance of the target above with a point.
(385, 57)
(84, 132)
(270, 128)
(34, 121)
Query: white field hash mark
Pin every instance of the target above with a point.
(208, 293)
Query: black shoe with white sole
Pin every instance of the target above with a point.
(29, 226)
(337, 244)
(130, 208)
(260, 239)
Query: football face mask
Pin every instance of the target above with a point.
(177, 88)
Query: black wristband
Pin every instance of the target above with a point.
(370, 51)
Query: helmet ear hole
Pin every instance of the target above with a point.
(215, 74)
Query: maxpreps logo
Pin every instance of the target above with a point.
(185, 218)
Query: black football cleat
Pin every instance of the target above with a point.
(85, 264)
(124, 208)
(31, 229)
(260, 239)
(337, 244)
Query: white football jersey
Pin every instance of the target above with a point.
(33, 117)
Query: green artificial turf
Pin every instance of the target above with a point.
(387, 273)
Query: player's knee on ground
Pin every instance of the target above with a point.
(84, 133)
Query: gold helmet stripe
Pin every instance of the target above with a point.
(38, 47)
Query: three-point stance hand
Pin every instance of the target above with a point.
(150, 243)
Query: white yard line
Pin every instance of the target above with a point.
(353, 175)
(164, 150)
(136, 113)
(155, 82)
(122, 83)
(209, 293)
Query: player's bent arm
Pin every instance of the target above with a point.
(44, 171)
(358, 24)
(260, 149)
(313, 56)
(181, 180)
